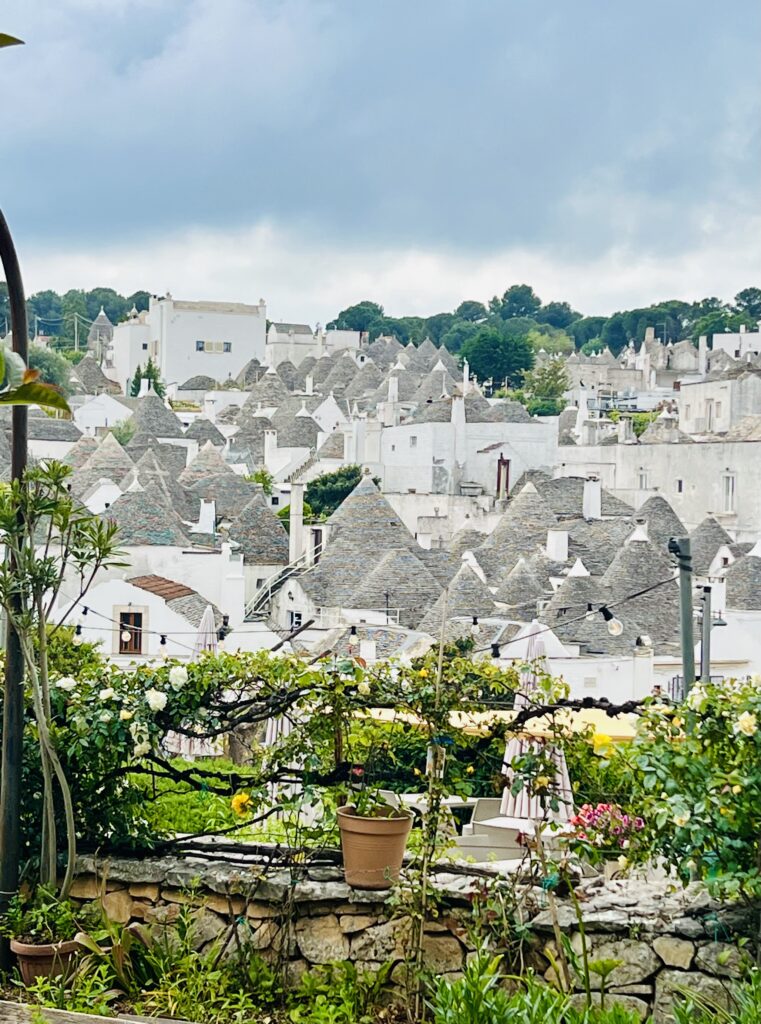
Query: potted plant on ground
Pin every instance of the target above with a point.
(41, 927)
(373, 840)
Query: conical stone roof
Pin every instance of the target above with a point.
(207, 463)
(466, 595)
(705, 541)
(744, 584)
(637, 566)
(80, 452)
(260, 535)
(144, 519)
(401, 583)
(520, 590)
(203, 430)
(340, 377)
(153, 417)
(108, 462)
(149, 472)
(269, 392)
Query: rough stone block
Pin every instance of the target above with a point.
(148, 891)
(639, 961)
(352, 923)
(207, 926)
(225, 904)
(442, 954)
(671, 985)
(630, 1003)
(320, 939)
(381, 942)
(262, 911)
(118, 906)
(674, 952)
(86, 887)
(722, 959)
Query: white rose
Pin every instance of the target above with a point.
(178, 676)
(107, 694)
(141, 749)
(363, 688)
(125, 715)
(106, 716)
(156, 700)
(67, 683)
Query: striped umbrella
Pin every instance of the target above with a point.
(525, 806)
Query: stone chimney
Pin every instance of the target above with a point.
(624, 430)
(207, 517)
(368, 651)
(591, 506)
(557, 545)
(296, 523)
(702, 355)
(393, 388)
(309, 384)
(465, 377)
(270, 444)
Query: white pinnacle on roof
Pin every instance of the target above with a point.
(638, 534)
(578, 569)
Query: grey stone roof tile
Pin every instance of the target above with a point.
(207, 463)
(229, 492)
(466, 595)
(203, 430)
(705, 541)
(744, 584)
(200, 382)
(662, 521)
(638, 565)
(80, 452)
(153, 417)
(259, 534)
(401, 583)
(144, 519)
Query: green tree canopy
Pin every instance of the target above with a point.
(549, 380)
(518, 300)
(151, 373)
(557, 314)
(358, 317)
(471, 310)
(749, 301)
(53, 368)
(494, 356)
(326, 492)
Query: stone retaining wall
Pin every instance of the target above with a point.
(669, 939)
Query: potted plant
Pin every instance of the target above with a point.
(373, 840)
(41, 927)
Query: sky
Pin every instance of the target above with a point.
(413, 152)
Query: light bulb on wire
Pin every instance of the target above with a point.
(615, 626)
(126, 636)
(475, 629)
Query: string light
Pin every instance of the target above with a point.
(126, 636)
(475, 629)
(615, 626)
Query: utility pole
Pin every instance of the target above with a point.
(680, 546)
(76, 332)
(13, 692)
(705, 646)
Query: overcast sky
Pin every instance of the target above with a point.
(415, 152)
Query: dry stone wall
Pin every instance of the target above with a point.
(668, 939)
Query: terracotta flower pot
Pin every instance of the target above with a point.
(373, 847)
(46, 960)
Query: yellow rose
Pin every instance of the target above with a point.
(542, 781)
(241, 804)
(423, 673)
(737, 789)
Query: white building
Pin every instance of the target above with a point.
(187, 339)
(715, 406)
(294, 342)
(739, 346)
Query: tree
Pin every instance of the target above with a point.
(719, 322)
(115, 306)
(151, 373)
(551, 339)
(458, 334)
(358, 317)
(471, 310)
(749, 301)
(550, 380)
(614, 333)
(263, 477)
(326, 492)
(141, 300)
(436, 326)
(519, 300)
(52, 367)
(492, 355)
(557, 314)
(588, 328)
(73, 308)
(45, 310)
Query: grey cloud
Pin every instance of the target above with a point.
(463, 125)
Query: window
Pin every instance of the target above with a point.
(413, 442)
(393, 447)
(200, 346)
(259, 582)
(227, 346)
(294, 620)
(728, 492)
(724, 561)
(145, 346)
(679, 486)
(644, 480)
(275, 500)
(132, 623)
(718, 409)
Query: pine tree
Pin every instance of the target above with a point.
(152, 374)
(135, 386)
